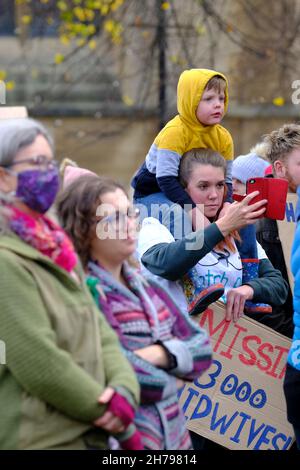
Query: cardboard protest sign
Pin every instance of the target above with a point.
(239, 402)
(9, 112)
(286, 231)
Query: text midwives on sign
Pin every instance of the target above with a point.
(239, 356)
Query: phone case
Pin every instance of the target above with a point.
(272, 189)
(238, 197)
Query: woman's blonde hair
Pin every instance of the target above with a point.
(281, 142)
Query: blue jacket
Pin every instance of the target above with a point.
(294, 354)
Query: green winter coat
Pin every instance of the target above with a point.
(60, 355)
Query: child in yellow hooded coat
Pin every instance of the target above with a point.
(202, 100)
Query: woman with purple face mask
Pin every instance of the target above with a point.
(65, 383)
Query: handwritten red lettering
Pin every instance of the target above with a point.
(228, 352)
(252, 360)
(281, 352)
(208, 315)
(267, 357)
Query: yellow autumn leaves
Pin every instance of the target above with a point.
(9, 84)
(78, 20)
(78, 23)
(279, 101)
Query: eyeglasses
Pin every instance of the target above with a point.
(116, 225)
(118, 220)
(40, 161)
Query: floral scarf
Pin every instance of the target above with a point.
(45, 236)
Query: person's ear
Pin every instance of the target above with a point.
(280, 169)
(5, 181)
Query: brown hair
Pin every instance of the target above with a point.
(76, 209)
(216, 83)
(200, 156)
(281, 142)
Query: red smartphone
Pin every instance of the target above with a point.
(274, 190)
(238, 197)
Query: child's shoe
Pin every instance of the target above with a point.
(199, 298)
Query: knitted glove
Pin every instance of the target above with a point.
(134, 442)
(121, 408)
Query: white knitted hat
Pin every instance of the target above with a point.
(248, 166)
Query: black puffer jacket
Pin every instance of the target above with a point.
(267, 235)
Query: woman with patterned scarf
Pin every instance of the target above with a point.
(164, 346)
(65, 383)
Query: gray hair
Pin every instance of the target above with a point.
(18, 133)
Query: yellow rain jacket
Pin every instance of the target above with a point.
(159, 172)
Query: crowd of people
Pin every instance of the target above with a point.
(98, 317)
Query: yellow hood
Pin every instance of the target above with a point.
(190, 88)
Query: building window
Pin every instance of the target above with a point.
(45, 19)
(7, 18)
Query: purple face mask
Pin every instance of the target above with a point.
(38, 189)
